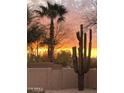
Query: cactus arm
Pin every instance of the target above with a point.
(81, 37)
(89, 51)
(77, 34)
(74, 57)
(81, 49)
(85, 53)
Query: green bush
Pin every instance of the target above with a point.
(34, 58)
(64, 58)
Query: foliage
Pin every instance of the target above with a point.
(35, 32)
(33, 58)
(64, 58)
(52, 11)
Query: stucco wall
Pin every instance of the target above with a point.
(64, 78)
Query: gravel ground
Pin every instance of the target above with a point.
(71, 91)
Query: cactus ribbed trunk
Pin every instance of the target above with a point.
(80, 82)
(90, 48)
(85, 52)
(74, 56)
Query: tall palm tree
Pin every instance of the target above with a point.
(52, 11)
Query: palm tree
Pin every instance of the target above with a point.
(52, 11)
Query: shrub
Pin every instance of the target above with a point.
(64, 58)
(34, 58)
(44, 57)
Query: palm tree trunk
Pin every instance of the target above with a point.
(51, 46)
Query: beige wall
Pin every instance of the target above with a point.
(64, 78)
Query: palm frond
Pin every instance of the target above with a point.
(50, 6)
(39, 13)
(56, 6)
(44, 9)
(52, 10)
(61, 18)
(62, 10)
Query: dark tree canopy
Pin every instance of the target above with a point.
(35, 32)
(52, 11)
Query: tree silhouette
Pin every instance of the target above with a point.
(36, 34)
(90, 15)
(52, 11)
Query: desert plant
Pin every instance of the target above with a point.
(32, 58)
(82, 64)
(63, 58)
(52, 11)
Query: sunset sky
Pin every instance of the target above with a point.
(76, 10)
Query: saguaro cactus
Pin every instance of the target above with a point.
(81, 63)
